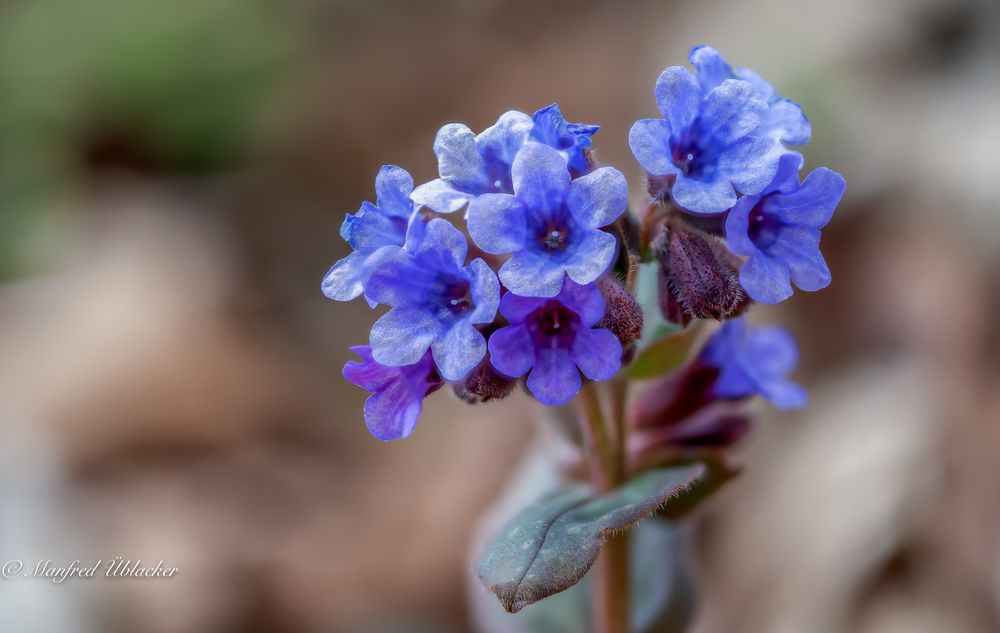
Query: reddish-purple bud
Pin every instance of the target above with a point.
(669, 399)
(482, 385)
(622, 313)
(699, 274)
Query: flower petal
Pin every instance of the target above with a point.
(531, 275)
(765, 279)
(798, 248)
(444, 246)
(554, 380)
(440, 196)
(732, 110)
(497, 223)
(395, 280)
(592, 257)
(813, 203)
(710, 67)
(485, 290)
(584, 299)
(679, 97)
(599, 198)
(787, 177)
(459, 350)
(540, 177)
(597, 353)
(459, 162)
(738, 226)
(512, 352)
(402, 336)
(499, 143)
(344, 281)
(751, 163)
(703, 196)
(515, 307)
(649, 140)
(786, 122)
(393, 186)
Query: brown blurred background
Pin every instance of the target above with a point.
(172, 179)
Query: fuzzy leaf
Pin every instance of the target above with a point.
(550, 546)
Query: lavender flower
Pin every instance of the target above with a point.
(708, 141)
(471, 165)
(373, 227)
(784, 119)
(554, 339)
(436, 301)
(754, 361)
(550, 224)
(779, 230)
(571, 139)
(398, 393)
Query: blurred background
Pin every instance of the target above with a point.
(172, 179)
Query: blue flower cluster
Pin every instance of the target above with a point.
(540, 302)
(720, 150)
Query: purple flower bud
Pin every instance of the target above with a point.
(699, 275)
(483, 384)
(622, 313)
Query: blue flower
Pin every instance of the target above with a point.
(707, 141)
(471, 165)
(571, 139)
(779, 230)
(784, 119)
(373, 227)
(398, 393)
(436, 301)
(550, 224)
(554, 339)
(754, 361)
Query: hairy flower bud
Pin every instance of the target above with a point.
(482, 385)
(698, 274)
(622, 313)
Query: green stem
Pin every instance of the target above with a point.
(606, 453)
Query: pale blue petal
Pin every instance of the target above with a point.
(738, 226)
(765, 279)
(732, 110)
(499, 143)
(443, 244)
(649, 140)
(786, 121)
(402, 336)
(592, 257)
(485, 290)
(787, 177)
(344, 280)
(710, 67)
(751, 163)
(541, 177)
(497, 223)
(813, 203)
(703, 196)
(440, 196)
(459, 350)
(393, 186)
(599, 198)
(531, 275)
(395, 280)
(459, 161)
(679, 97)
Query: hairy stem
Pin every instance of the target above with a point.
(606, 452)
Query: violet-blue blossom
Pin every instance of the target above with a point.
(779, 230)
(707, 141)
(550, 224)
(470, 165)
(754, 361)
(554, 339)
(436, 301)
(397, 393)
(374, 226)
(784, 120)
(571, 139)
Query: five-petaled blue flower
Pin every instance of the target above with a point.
(707, 141)
(436, 301)
(779, 230)
(471, 165)
(551, 225)
(555, 340)
(373, 227)
(784, 119)
(571, 139)
(754, 361)
(398, 393)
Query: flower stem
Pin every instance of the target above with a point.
(607, 464)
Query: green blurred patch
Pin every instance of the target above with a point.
(174, 86)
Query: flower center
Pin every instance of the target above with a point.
(554, 235)
(763, 229)
(552, 325)
(457, 297)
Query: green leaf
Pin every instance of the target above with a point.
(663, 355)
(550, 546)
(717, 473)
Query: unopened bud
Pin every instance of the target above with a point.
(622, 313)
(482, 385)
(699, 275)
